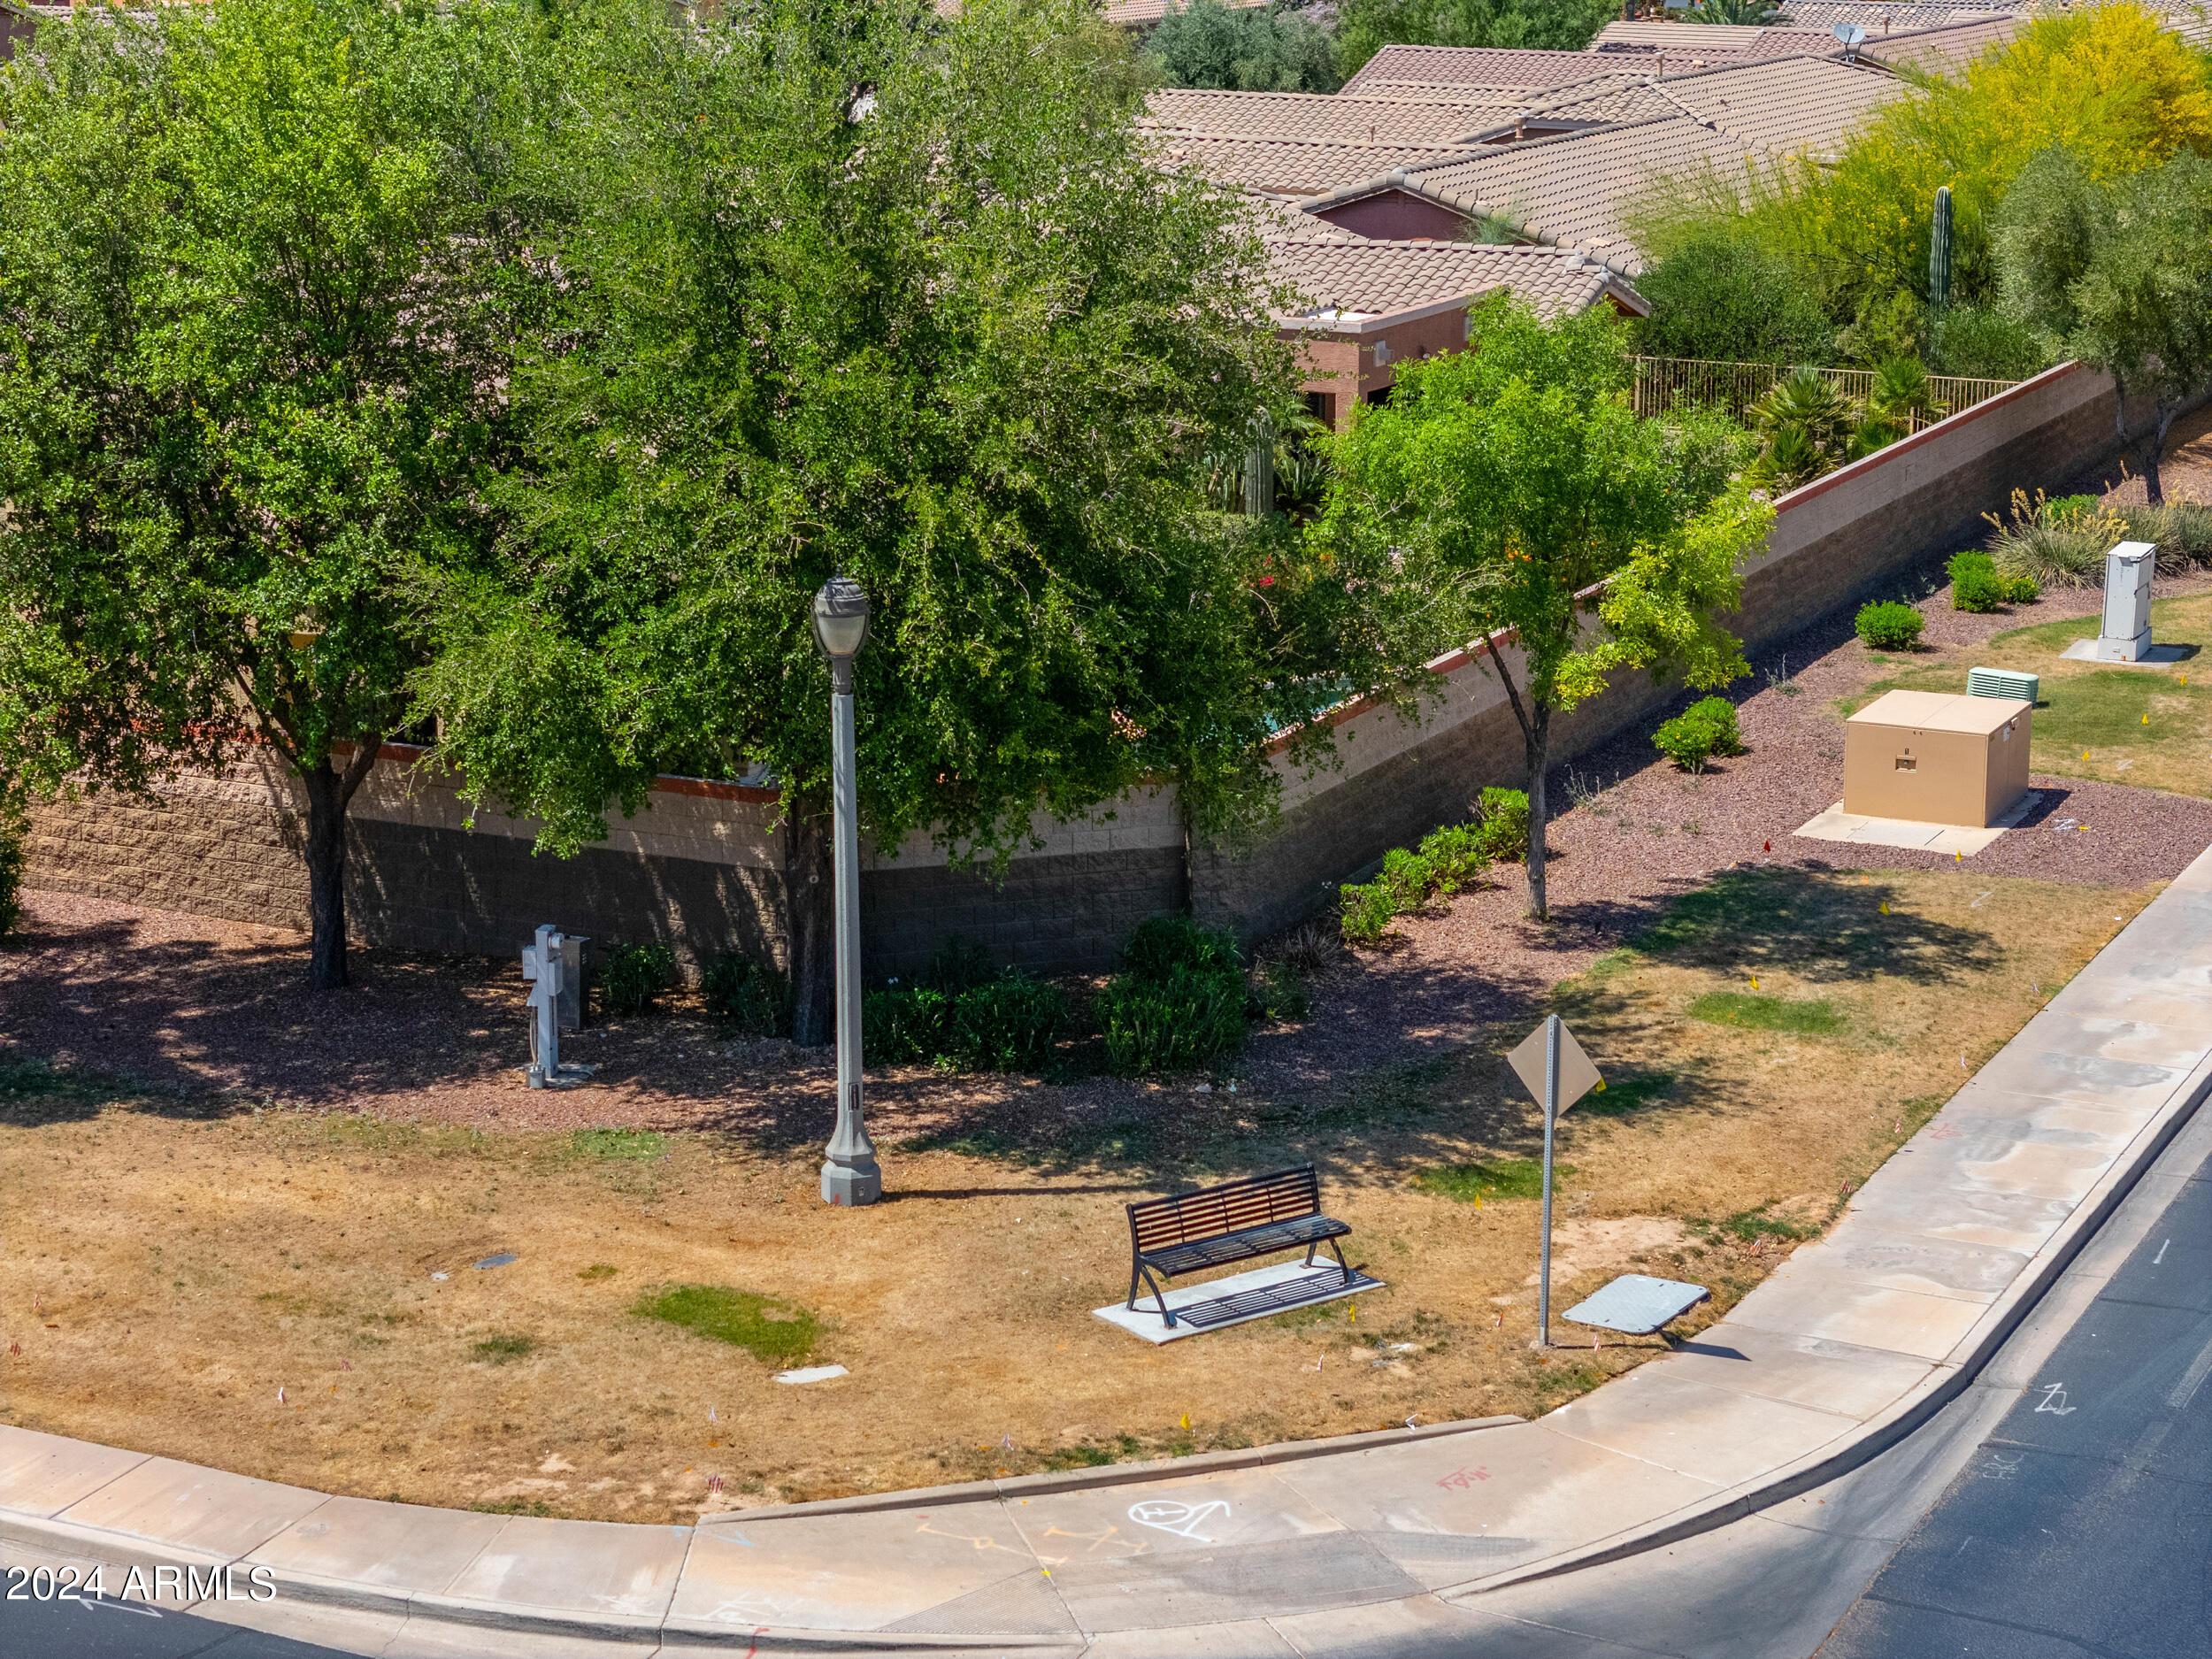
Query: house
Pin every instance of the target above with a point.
(1423, 69)
(1569, 171)
(1443, 116)
(1292, 166)
(1365, 307)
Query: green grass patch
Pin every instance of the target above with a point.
(503, 1350)
(537, 1506)
(1755, 1012)
(1077, 1457)
(768, 1329)
(596, 1271)
(1750, 1225)
(636, 1145)
(1502, 1178)
(1618, 1097)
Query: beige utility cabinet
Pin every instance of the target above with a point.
(1934, 758)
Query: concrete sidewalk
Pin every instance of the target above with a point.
(1854, 1341)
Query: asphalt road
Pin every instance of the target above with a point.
(2083, 1525)
(108, 1629)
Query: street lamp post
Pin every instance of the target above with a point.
(849, 1173)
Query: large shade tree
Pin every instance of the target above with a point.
(1511, 480)
(2117, 273)
(850, 289)
(253, 302)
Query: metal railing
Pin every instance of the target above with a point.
(1665, 383)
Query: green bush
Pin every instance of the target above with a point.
(960, 964)
(1975, 584)
(745, 995)
(1011, 1025)
(1178, 1002)
(904, 1027)
(1889, 626)
(1282, 991)
(1706, 728)
(1722, 296)
(1162, 944)
(11, 874)
(1183, 1023)
(631, 977)
(1448, 860)
(1503, 815)
(2181, 530)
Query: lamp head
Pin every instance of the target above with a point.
(840, 618)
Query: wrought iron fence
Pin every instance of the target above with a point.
(1664, 383)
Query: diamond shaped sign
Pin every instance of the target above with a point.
(1577, 1076)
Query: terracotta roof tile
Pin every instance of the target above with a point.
(1353, 280)
(1942, 51)
(1401, 67)
(1290, 166)
(1573, 190)
(1433, 118)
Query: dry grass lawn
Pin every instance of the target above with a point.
(167, 1275)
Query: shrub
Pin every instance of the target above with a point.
(1722, 296)
(960, 964)
(1162, 944)
(1182, 1023)
(1889, 626)
(747, 995)
(1706, 728)
(1282, 992)
(1274, 49)
(1365, 913)
(1975, 584)
(2181, 531)
(904, 1027)
(2057, 541)
(11, 874)
(1179, 1002)
(631, 977)
(1011, 1025)
(1503, 815)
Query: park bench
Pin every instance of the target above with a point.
(1184, 1232)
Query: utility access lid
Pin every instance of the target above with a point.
(1577, 1076)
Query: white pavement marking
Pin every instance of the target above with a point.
(2192, 1380)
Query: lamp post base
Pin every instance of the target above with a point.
(850, 1184)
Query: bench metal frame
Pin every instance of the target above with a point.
(1233, 1222)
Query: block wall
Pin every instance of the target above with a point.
(703, 868)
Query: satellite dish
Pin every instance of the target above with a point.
(1852, 36)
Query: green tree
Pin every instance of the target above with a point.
(1513, 477)
(1722, 296)
(1754, 13)
(1270, 48)
(952, 335)
(2119, 273)
(252, 304)
(1365, 27)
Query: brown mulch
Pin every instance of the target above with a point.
(214, 1014)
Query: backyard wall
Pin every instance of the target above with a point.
(703, 868)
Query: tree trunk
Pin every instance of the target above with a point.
(329, 792)
(1536, 739)
(2153, 450)
(810, 907)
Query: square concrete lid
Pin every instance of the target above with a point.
(1940, 711)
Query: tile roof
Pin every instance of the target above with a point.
(1570, 190)
(1804, 106)
(2191, 23)
(1131, 12)
(1351, 281)
(1401, 67)
(1941, 51)
(1290, 166)
(1433, 119)
(1880, 20)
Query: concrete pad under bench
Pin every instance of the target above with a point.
(1322, 1282)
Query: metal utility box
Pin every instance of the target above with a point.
(1935, 759)
(2128, 570)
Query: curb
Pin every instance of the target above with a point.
(1953, 1373)
(1104, 1475)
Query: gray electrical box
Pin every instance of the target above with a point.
(2126, 636)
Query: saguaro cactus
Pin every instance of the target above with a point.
(1939, 251)
(1259, 466)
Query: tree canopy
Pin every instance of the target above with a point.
(1365, 27)
(253, 316)
(849, 290)
(2117, 273)
(1259, 49)
(1513, 478)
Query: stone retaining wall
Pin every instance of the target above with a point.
(703, 868)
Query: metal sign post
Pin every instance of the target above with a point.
(1562, 1076)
